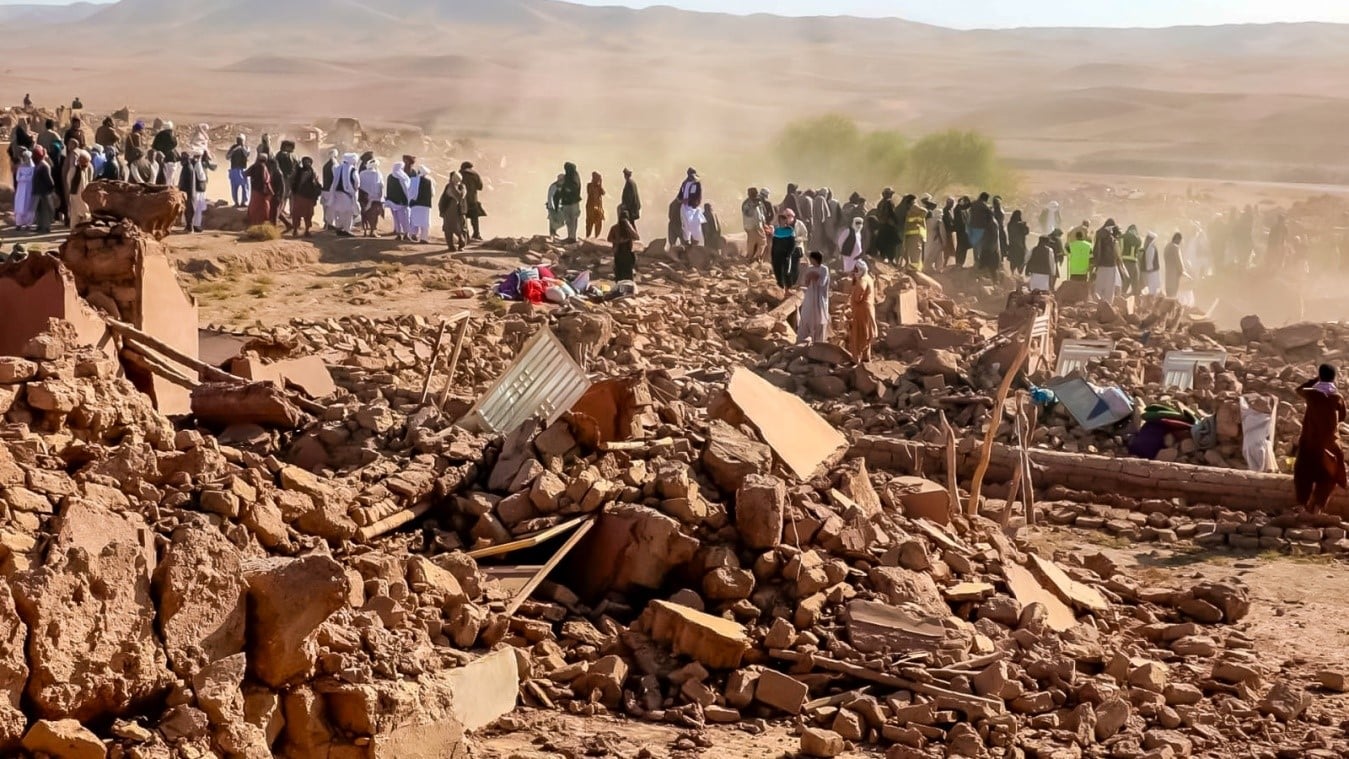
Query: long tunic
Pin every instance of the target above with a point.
(25, 205)
(1319, 466)
(813, 319)
(862, 318)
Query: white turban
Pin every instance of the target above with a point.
(860, 267)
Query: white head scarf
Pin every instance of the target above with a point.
(26, 158)
(860, 268)
(858, 223)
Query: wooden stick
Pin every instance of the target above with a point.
(974, 706)
(636, 445)
(152, 364)
(391, 523)
(1008, 375)
(1028, 484)
(526, 542)
(454, 363)
(952, 477)
(837, 698)
(557, 558)
(217, 374)
(431, 365)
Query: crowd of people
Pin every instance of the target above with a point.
(51, 169)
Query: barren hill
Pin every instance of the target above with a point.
(1088, 99)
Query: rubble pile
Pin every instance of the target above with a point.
(254, 605)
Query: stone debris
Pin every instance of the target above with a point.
(235, 583)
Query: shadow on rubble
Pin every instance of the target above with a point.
(1186, 557)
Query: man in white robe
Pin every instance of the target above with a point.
(342, 195)
(691, 209)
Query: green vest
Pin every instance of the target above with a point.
(1079, 258)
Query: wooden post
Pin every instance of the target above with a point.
(1009, 374)
(431, 365)
(454, 362)
(952, 477)
(214, 373)
(1028, 481)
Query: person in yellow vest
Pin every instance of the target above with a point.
(1130, 250)
(1079, 257)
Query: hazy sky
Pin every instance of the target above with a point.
(990, 13)
(1000, 13)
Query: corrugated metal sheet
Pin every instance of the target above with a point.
(544, 382)
(1076, 354)
(1179, 366)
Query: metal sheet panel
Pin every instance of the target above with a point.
(1076, 354)
(1179, 366)
(544, 382)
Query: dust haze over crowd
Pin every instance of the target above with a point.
(533, 83)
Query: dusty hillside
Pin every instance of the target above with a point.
(1141, 101)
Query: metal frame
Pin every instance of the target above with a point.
(1076, 354)
(1178, 366)
(544, 382)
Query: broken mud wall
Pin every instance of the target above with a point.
(123, 270)
(36, 290)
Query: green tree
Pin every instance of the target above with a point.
(881, 160)
(818, 150)
(953, 157)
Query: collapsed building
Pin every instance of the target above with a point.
(703, 525)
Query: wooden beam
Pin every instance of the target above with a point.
(972, 706)
(536, 539)
(435, 358)
(543, 572)
(1008, 375)
(454, 361)
(215, 373)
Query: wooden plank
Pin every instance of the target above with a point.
(530, 541)
(454, 359)
(1009, 374)
(1068, 589)
(435, 358)
(1028, 590)
(511, 578)
(973, 706)
(557, 558)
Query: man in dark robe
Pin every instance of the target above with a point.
(278, 191)
(472, 207)
(289, 164)
(260, 191)
(631, 199)
(1319, 467)
(106, 134)
(887, 238)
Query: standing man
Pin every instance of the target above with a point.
(305, 192)
(631, 199)
(1319, 467)
(1130, 251)
(595, 205)
(1105, 261)
(192, 183)
(752, 217)
(553, 205)
(887, 227)
(167, 144)
(260, 191)
(106, 134)
(343, 189)
(397, 198)
(472, 186)
(423, 197)
(691, 209)
(238, 158)
(286, 160)
(569, 199)
(326, 199)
